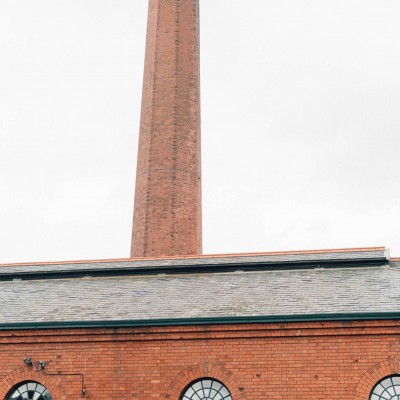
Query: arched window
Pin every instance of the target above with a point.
(206, 389)
(387, 389)
(29, 391)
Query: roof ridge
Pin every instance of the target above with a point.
(202, 256)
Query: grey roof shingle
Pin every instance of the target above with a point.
(240, 293)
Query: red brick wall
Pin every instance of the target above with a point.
(167, 215)
(271, 361)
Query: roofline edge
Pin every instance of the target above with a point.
(265, 265)
(395, 315)
(201, 256)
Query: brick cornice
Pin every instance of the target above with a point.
(201, 332)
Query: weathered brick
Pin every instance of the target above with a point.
(330, 360)
(167, 212)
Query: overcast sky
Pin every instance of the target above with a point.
(300, 125)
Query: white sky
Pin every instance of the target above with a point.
(300, 125)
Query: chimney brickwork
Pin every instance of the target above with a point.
(167, 212)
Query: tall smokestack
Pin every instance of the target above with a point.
(167, 212)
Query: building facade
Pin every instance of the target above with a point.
(170, 323)
(311, 325)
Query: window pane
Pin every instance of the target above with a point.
(224, 392)
(206, 383)
(29, 391)
(386, 383)
(396, 380)
(216, 385)
(32, 385)
(40, 388)
(23, 388)
(197, 386)
(206, 389)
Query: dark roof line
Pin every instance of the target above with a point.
(132, 270)
(361, 316)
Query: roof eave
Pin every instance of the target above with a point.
(223, 320)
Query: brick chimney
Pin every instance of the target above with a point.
(167, 212)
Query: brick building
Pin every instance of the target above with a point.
(317, 325)
(171, 323)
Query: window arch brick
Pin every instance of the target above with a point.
(205, 370)
(373, 375)
(23, 374)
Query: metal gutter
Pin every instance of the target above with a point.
(395, 315)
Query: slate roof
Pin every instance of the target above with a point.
(230, 286)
